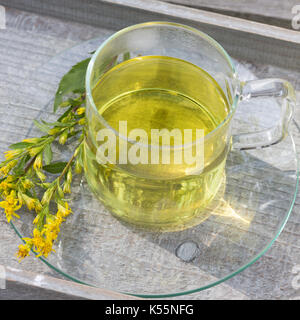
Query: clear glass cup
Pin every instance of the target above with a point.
(154, 196)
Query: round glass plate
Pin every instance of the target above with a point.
(247, 215)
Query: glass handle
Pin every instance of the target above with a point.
(273, 88)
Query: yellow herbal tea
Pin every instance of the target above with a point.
(155, 92)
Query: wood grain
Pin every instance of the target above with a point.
(42, 285)
(256, 42)
(212, 18)
(266, 8)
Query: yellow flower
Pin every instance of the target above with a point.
(50, 236)
(10, 179)
(81, 121)
(10, 213)
(59, 217)
(63, 209)
(11, 154)
(63, 137)
(10, 205)
(11, 199)
(51, 228)
(36, 219)
(30, 202)
(21, 201)
(34, 151)
(67, 187)
(6, 185)
(23, 251)
(54, 131)
(40, 175)
(37, 206)
(37, 241)
(80, 110)
(27, 184)
(78, 167)
(32, 140)
(47, 248)
(38, 162)
(48, 195)
(43, 245)
(5, 169)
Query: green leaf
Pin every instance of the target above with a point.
(43, 127)
(80, 155)
(20, 145)
(59, 124)
(74, 133)
(76, 102)
(65, 114)
(59, 190)
(55, 167)
(44, 185)
(19, 168)
(72, 81)
(64, 104)
(47, 155)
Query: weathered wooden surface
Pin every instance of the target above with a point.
(254, 9)
(28, 285)
(120, 13)
(271, 277)
(201, 16)
(27, 43)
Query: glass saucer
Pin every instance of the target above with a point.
(243, 221)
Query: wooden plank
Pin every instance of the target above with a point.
(212, 18)
(46, 286)
(19, 291)
(272, 8)
(241, 38)
(74, 9)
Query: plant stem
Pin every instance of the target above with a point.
(29, 164)
(69, 163)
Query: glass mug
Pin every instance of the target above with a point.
(162, 75)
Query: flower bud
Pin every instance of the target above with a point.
(81, 121)
(38, 162)
(40, 175)
(63, 137)
(34, 151)
(64, 104)
(60, 191)
(78, 167)
(80, 110)
(69, 176)
(27, 184)
(54, 131)
(67, 187)
(47, 195)
(32, 140)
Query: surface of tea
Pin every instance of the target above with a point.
(154, 92)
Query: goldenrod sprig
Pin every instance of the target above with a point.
(23, 174)
(47, 224)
